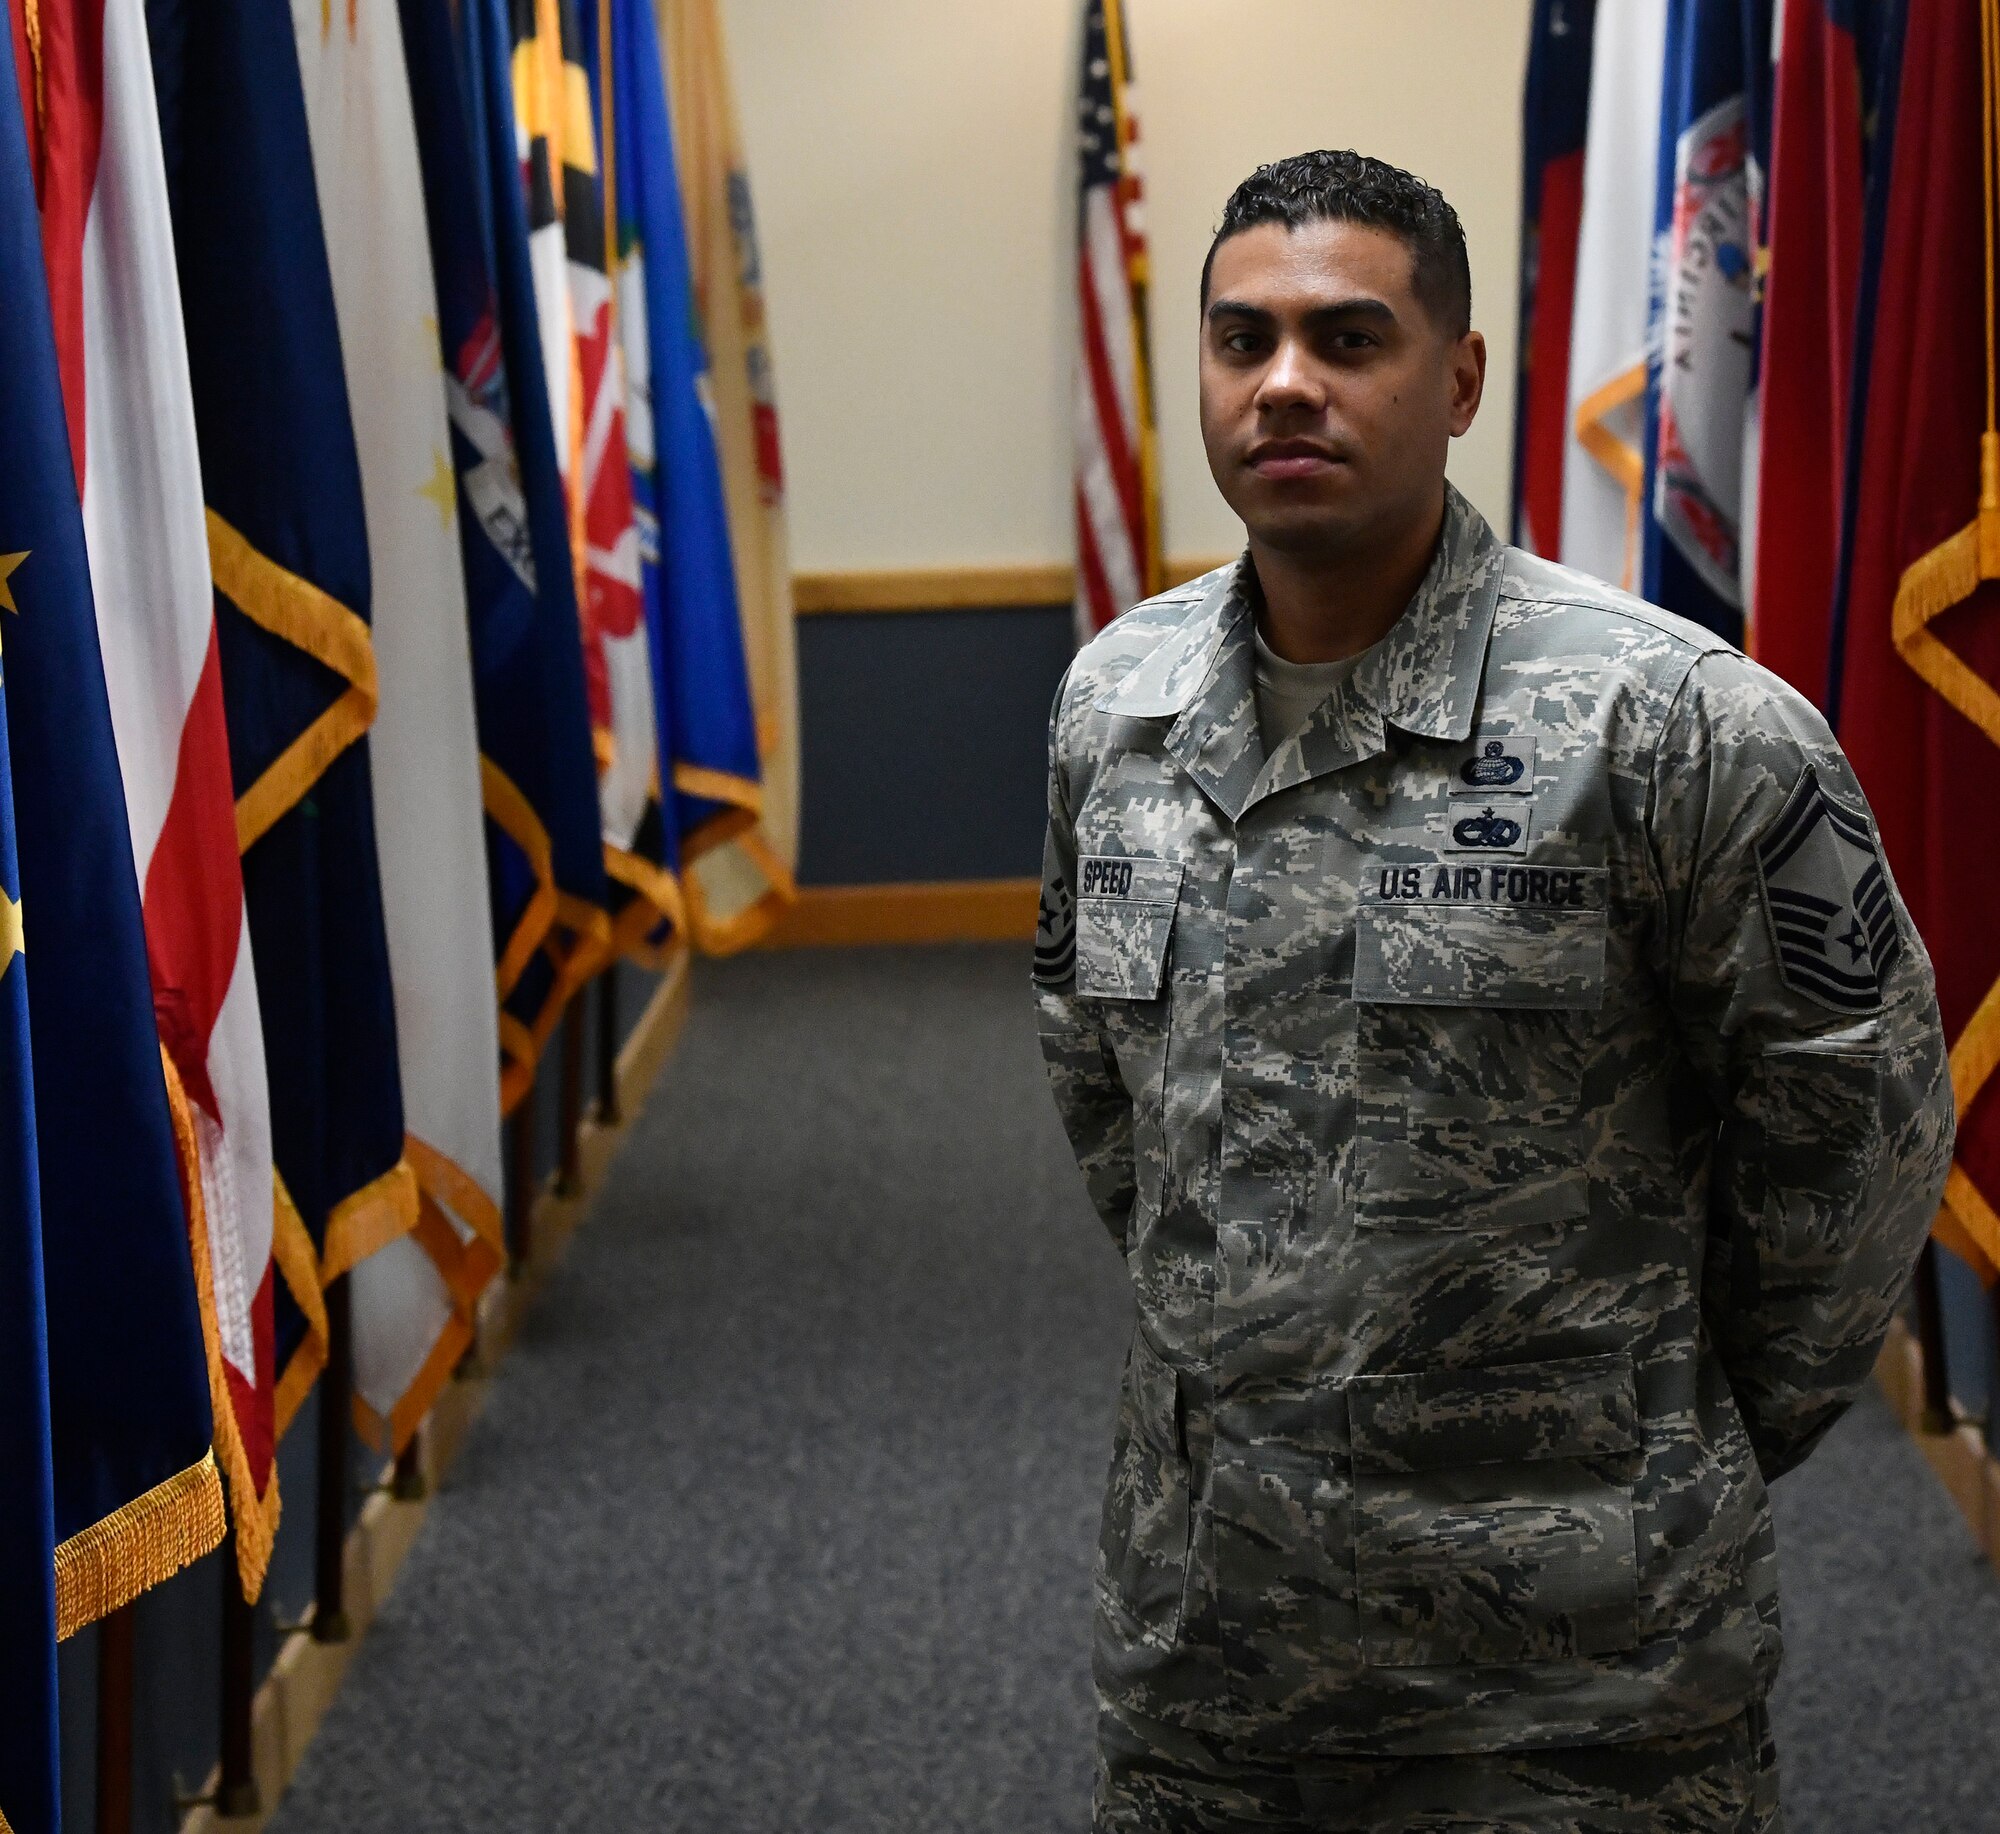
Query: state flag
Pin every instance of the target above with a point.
(1702, 315)
(30, 1714)
(707, 729)
(1604, 464)
(288, 546)
(414, 1296)
(123, 357)
(569, 229)
(549, 908)
(537, 772)
(737, 891)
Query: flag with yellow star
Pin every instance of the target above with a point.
(415, 1296)
(106, 1461)
(30, 1768)
(29, 1761)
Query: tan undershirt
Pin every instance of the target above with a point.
(1290, 693)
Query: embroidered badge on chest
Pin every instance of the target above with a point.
(1499, 761)
(1477, 825)
(1827, 901)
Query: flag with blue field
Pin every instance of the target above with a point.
(538, 771)
(1701, 365)
(288, 544)
(30, 1765)
(701, 679)
(579, 942)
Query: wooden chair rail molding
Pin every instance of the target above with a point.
(960, 588)
(954, 910)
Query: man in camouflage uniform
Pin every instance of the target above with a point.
(1514, 1085)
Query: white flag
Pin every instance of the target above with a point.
(1603, 459)
(413, 1297)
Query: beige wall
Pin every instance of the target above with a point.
(913, 171)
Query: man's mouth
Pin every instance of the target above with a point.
(1282, 459)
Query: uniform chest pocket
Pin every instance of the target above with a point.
(1473, 1025)
(1124, 923)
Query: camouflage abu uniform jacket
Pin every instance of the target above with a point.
(1519, 1101)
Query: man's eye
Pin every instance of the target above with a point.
(1353, 340)
(1242, 343)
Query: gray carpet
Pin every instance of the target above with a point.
(780, 1516)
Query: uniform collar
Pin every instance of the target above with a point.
(1424, 678)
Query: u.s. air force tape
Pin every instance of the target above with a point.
(1826, 898)
(1553, 887)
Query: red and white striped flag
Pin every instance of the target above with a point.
(123, 356)
(1117, 473)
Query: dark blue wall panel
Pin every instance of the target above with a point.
(923, 742)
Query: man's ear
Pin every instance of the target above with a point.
(1468, 380)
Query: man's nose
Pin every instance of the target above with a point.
(1290, 381)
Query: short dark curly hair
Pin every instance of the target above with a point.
(1350, 187)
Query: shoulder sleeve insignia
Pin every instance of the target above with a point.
(1055, 933)
(1827, 899)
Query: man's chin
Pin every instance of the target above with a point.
(1302, 529)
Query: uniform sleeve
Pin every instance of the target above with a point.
(1095, 1108)
(1804, 1001)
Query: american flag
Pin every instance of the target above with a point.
(1117, 478)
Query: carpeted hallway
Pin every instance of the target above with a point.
(780, 1517)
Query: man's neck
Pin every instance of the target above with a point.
(1322, 605)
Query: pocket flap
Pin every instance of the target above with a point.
(1447, 953)
(1124, 920)
(1128, 880)
(1576, 1407)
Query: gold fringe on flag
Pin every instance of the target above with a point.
(514, 815)
(256, 1516)
(370, 1218)
(292, 1253)
(303, 614)
(1931, 585)
(1623, 460)
(520, 1043)
(111, 1562)
(466, 1267)
(576, 963)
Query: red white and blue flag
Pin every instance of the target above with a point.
(122, 354)
(1117, 475)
